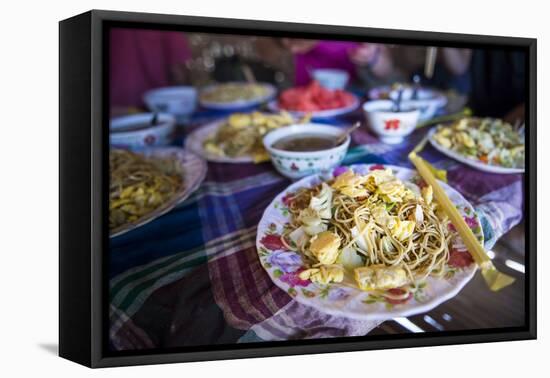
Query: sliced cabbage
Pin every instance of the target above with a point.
(392, 191)
(311, 221)
(359, 240)
(418, 214)
(299, 237)
(322, 203)
(350, 259)
(381, 216)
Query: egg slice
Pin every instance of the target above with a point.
(351, 185)
(324, 246)
(401, 230)
(380, 277)
(324, 274)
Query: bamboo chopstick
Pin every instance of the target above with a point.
(248, 74)
(466, 112)
(429, 64)
(494, 279)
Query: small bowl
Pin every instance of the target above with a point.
(331, 78)
(136, 131)
(295, 165)
(427, 101)
(179, 101)
(390, 126)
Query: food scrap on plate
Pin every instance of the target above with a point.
(242, 133)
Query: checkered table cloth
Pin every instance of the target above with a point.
(192, 276)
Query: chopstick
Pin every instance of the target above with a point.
(466, 112)
(429, 64)
(494, 279)
(248, 74)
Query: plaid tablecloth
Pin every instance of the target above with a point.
(192, 276)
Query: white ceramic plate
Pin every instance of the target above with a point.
(477, 164)
(344, 299)
(238, 104)
(194, 171)
(321, 114)
(195, 142)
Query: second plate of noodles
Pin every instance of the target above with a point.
(366, 242)
(147, 184)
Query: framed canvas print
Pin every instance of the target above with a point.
(235, 188)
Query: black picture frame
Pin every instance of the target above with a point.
(83, 156)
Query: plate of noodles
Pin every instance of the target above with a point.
(487, 144)
(147, 184)
(366, 242)
(238, 138)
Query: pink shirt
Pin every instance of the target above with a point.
(142, 60)
(326, 54)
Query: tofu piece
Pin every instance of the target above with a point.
(324, 246)
(324, 275)
(380, 277)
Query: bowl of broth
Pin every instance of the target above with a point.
(300, 150)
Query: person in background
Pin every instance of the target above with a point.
(492, 79)
(498, 83)
(375, 65)
(141, 60)
(311, 54)
(451, 71)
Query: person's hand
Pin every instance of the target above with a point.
(365, 54)
(516, 115)
(299, 46)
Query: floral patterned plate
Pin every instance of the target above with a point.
(343, 299)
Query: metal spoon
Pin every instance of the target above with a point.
(397, 102)
(248, 73)
(342, 137)
(154, 120)
(416, 86)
